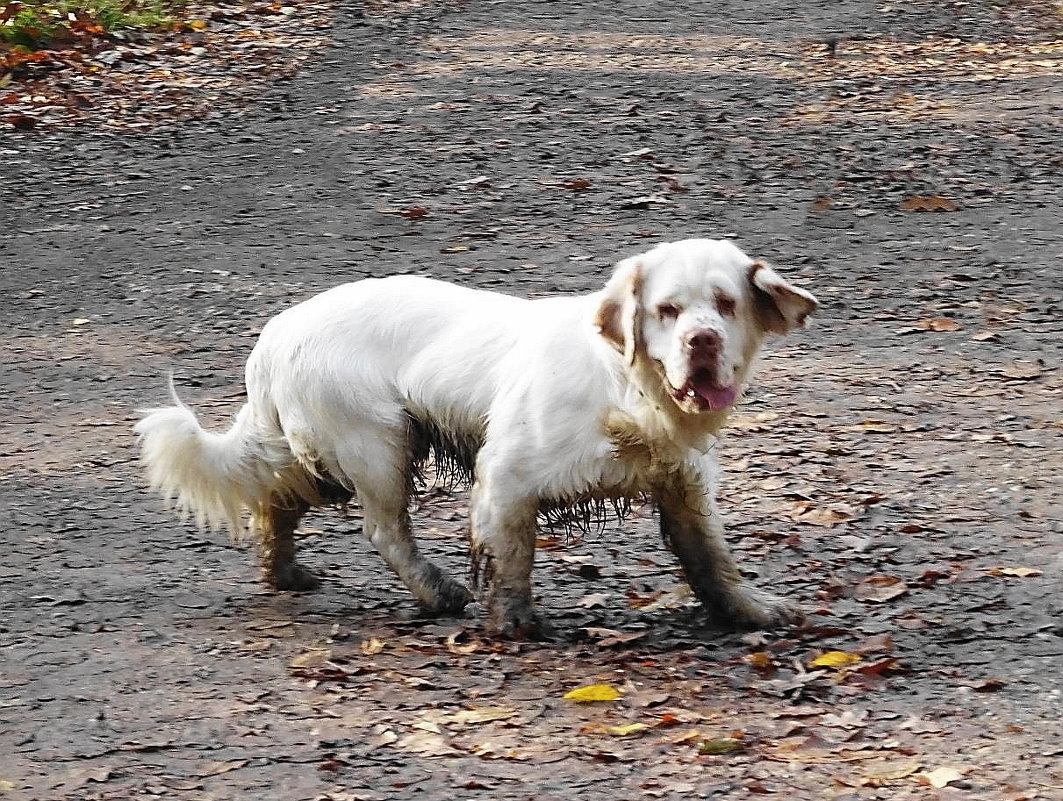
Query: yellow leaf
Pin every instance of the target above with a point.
(834, 659)
(593, 692)
(197, 24)
(627, 730)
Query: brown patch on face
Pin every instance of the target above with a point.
(725, 304)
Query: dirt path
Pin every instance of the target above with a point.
(895, 468)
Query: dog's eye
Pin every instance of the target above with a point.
(725, 304)
(668, 311)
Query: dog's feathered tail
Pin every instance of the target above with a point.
(214, 477)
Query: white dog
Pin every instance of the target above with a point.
(546, 404)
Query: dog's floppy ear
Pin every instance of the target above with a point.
(619, 317)
(780, 306)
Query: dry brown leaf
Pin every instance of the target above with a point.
(927, 203)
(828, 518)
(879, 589)
(760, 660)
(938, 324)
(577, 184)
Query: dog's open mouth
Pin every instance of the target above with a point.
(703, 390)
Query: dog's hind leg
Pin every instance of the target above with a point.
(383, 484)
(276, 526)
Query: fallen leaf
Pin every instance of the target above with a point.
(218, 768)
(940, 777)
(469, 717)
(1016, 572)
(577, 184)
(938, 324)
(827, 518)
(835, 659)
(456, 647)
(414, 212)
(686, 737)
(760, 660)
(627, 730)
(79, 778)
(927, 203)
(311, 659)
(876, 642)
(890, 772)
(822, 203)
(1021, 371)
(676, 598)
(592, 693)
(879, 589)
(723, 745)
(427, 743)
(382, 736)
(372, 646)
(593, 599)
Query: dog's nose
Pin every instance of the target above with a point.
(703, 339)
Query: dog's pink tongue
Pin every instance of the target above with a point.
(717, 397)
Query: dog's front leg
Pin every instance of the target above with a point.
(693, 529)
(503, 551)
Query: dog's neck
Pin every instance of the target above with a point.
(649, 404)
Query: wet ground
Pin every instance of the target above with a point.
(895, 468)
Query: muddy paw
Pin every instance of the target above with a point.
(516, 623)
(292, 576)
(747, 609)
(450, 599)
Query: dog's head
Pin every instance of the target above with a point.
(696, 312)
